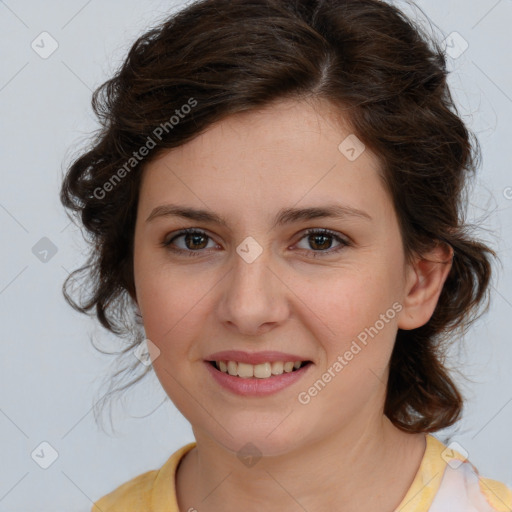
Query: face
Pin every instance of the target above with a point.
(274, 285)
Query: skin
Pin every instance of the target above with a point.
(325, 455)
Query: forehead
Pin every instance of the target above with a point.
(287, 152)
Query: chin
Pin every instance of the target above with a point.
(270, 438)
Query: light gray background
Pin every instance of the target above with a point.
(50, 374)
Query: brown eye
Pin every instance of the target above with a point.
(193, 242)
(321, 240)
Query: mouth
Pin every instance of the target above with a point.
(266, 370)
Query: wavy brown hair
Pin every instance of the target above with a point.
(378, 68)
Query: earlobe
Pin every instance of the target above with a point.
(424, 283)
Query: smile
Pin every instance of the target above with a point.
(256, 380)
(259, 371)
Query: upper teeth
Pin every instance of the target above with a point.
(260, 371)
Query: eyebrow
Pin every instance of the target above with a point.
(284, 216)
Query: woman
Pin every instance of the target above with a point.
(277, 190)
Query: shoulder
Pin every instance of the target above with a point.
(147, 490)
(136, 493)
(446, 481)
(497, 494)
(462, 483)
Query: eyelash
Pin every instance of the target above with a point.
(316, 254)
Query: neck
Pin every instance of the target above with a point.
(335, 472)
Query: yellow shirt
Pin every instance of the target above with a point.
(445, 482)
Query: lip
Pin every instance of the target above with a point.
(255, 357)
(253, 386)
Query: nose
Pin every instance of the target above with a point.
(254, 298)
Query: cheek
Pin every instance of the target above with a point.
(346, 304)
(171, 303)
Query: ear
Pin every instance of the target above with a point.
(424, 283)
